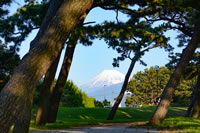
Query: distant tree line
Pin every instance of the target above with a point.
(147, 87)
(72, 97)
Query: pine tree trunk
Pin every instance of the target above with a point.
(119, 98)
(59, 87)
(174, 80)
(45, 93)
(196, 102)
(36, 63)
(23, 120)
(52, 9)
(194, 98)
(191, 105)
(196, 107)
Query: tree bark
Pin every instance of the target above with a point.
(194, 98)
(191, 105)
(196, 107)
(196, 102)
(59, 87)
(53, 7)
(45, 93)
(119, 98)
(174, 80)
(23, 120)
(22, 123)
(36, 63)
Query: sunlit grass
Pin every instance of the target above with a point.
(176, 121)
(189, 125)
(72, 117)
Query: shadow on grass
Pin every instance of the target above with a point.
(74, 117)
(63, 124)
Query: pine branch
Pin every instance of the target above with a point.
(20, 32)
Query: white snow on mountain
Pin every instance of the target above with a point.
(106, 85)
(104, 79)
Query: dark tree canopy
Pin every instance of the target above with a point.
(18, 26)
(8, 62)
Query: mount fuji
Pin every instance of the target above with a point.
(104, 79)
(106, 85)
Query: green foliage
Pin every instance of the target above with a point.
(73, 97)
(98, 103)
(139, 32)
(119, 36)
(106, 102)
(37, 93)
(16, 28)
(4, 11)
(8, 62)
(145, 89)
(134, 37)
(183, 93)
(30, 16)
(193, 67)
(102, 104)
(144, 86)
(88, 102)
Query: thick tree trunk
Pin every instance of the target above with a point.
(52, 9)
(45, 93)
(119, 98)
(191, 105)
(196, 102)
(194, 98)
(36, 63)
(23, 120)
(174, 80)
(196, 107)
(59, 87)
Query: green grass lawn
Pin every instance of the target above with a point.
(70, 117)
(189, 125)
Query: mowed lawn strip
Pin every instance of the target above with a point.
(74, 116)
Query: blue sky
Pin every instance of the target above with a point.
(90, 61)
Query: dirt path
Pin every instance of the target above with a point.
(108, 128)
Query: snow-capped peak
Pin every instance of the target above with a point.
(105, 78)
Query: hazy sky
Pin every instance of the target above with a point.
(90, 61)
